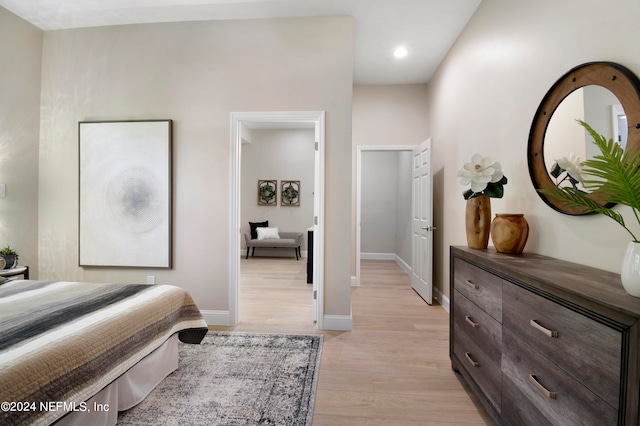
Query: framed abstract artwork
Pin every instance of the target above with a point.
(125, 193)
(290, 193)
(267, 192)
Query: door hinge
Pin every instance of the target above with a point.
(315, 220)
(316, 146)
(315, 294)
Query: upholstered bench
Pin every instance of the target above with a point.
(287, 240)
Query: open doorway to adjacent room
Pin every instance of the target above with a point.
(394, 211)
(384, 205)
(271, 288)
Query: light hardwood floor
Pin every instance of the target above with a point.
(392, 368)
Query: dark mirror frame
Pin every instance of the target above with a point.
(619, 80)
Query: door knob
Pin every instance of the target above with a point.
(429, 228)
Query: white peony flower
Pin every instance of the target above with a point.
(480, 172)
(572, 166)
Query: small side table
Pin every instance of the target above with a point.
(310, 255)
(20, 270)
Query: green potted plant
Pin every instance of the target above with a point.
(614, 175)
(10, 256)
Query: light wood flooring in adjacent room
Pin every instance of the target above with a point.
(392, 368)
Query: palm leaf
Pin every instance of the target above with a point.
(615, 175)
(617, 172)
(573, 198)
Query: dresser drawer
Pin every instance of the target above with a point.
(483, 329)
(481, 287)
(478, 365)
(584, 348)
(526, 402)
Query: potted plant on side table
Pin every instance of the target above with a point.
(10, 256)
(615, 175)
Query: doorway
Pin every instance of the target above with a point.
(292, 119)
(411, 247)
(361, 183)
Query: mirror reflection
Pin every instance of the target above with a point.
(607, 97)
(565, 139)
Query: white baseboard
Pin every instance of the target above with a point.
(387, 256)
(337, 322)
(216, 317)
(442, 299)
(378, 256)
(331, 322)
(404, 265)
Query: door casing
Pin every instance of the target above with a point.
(359, 151)
(238, 119)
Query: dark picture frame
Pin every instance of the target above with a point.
(290, 193)
(125, 194)
(267, 192)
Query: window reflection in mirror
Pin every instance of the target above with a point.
(620, 125)
(564, 136)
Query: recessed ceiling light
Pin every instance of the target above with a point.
(400, 52)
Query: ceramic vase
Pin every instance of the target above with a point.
(630, 272)
(478, 221)
(509, 232)
(10, 261)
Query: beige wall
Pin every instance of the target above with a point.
(195, 73)
(390, 115)
(21, 57)
(385, 205)
(379, 187)
(386, 116)
(279, 154)
(483, 98)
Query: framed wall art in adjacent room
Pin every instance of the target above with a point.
(125, 193)
(290, 193)
(267, 192)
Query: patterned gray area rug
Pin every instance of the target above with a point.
(236, 379)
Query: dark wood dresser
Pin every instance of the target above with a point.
(543, 341)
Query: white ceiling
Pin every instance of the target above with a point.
(427, 28)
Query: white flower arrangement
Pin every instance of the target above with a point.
(484, 175)
(573, 168)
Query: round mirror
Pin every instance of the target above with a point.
(603, 94)
(564, 137)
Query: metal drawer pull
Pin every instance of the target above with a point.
(534, 380)
(550, 333)
(471, 361)
(472, 285)
(471, 322)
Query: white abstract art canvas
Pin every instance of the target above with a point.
(125, 193)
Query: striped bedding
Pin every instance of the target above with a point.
(62, 342)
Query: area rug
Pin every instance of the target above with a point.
(236, 379)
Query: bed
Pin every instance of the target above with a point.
(76, 353)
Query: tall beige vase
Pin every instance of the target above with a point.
(478, 221)
(509, 232)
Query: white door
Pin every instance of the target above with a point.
(316, 215)
(422, 222)
(318, 225)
